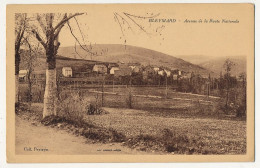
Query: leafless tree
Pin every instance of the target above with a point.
(129, 21)
(30, 58)
(20, 28)
(51, 45)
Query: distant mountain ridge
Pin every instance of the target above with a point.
(216, 64)
(131, 54)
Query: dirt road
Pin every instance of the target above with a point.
(33, 139)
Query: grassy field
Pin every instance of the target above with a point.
(217, 136)
(192, 122)
(144, 131)
(153, 99)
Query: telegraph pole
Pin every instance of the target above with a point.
(113, 84)
(102, 98)
(166, 92)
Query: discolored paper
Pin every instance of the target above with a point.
(156, 76)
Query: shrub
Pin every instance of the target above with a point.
(72, 106)
(94, 110)
(52, 120)
(166, 141)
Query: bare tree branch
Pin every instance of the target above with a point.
(49, 20)
(78, 40)
(75, 49)
(131, 21)
(58, 31)
(142, 17)
(60, 27)
(64, 20)
(119, 24)
(39, 38)
(19, 37)
(127, 15)
(39, 19)
(18, 41)
(124, 20)
(80, 30)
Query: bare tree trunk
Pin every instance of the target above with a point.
(51, 47)
(17, 62)
(30, 84)
(30, 69)
(50, 94)
(50, 99)
(16, 88)
(227, 94)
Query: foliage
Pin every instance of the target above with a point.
(184, 86)
(73, 105)
(232, 91)
(137, 78)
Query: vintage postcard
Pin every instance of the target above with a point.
(130, 83)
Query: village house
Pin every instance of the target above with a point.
(175, 77)
(100, 68)
(177, 72)
(156, 69)
(67, 71)
(136, 69)
(161, 72)
(186, 75)
(113, 69)
(23, 75)
(167, 72)
(134, 66)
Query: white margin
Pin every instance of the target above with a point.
(3, 163)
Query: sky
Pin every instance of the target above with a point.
(98, 26)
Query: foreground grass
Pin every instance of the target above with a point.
(205, 135)
(144, 131)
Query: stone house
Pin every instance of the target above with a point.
(100, 68)
(67, 71)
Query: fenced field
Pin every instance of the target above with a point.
(143, 114)
(158, 100)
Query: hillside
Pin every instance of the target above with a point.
(131, 54)
(115, 53)
(217, 64)
(40, 63)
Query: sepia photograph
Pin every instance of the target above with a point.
(170, 81)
